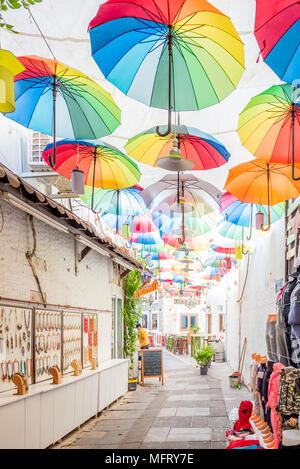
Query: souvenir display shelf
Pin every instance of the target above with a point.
(47, 343)
(90, 338)
(72, 340)
(33, 340)
(15, 344)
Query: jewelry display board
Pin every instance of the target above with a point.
(72, 339)
(90, 338)
(15, 344)
(47, 343)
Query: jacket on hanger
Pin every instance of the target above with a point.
(294, 313)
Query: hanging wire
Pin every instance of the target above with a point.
(41, 33)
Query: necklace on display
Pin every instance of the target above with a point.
(18, 324)
(4, 374)
(26, 320)
(9, 370)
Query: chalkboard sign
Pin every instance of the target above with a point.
(152, 364)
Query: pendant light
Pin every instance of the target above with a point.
(174, 162)
(77, 178)
(259, 220)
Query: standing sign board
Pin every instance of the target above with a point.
(152, 364)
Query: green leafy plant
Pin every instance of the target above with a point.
(204, 355)
(195, 328)
(14, 5)
(131, 313)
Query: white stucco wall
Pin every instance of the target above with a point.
(266, 267)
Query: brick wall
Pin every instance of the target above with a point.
(92, 287)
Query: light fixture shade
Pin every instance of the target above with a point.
(175, 163)
(77, 177)
(259, 220)
(125, 231)
(177, 208)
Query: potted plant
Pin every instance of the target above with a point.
(195, 329)
(131, 312)
(203, 357)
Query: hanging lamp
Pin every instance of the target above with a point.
(77, 179)
(174, 162)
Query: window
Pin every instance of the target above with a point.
(193, 321)
(184, 322)
(187, 320)
(221, 323)
(154, 323)
(209, 323)
(37, 143)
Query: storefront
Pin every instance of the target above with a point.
(60, 304)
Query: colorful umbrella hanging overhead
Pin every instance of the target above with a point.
(269, 126)
(123, 204)
(203, 196)
(57, 100)
(277, 30)
(180, 55)
(232, 231)
(103, 165)
(202, 149)
(260, 182)
(249, 215)
(173, 224)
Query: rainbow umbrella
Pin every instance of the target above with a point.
(211, 273)
(200, 148)
(180, 55)
(103, 166)
(171, 224)
(146, 238)
(242, 214)
(232, 231)
(57, 100)
(220, 261)
(124, 204)
(277, 30)
(269, 126)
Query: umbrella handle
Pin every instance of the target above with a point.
(269, 221)
(293, 143)
(251, 220)
(52, 162)
(128, 244)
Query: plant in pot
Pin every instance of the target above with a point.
(195, 329)
(131, 312)
(203, 357)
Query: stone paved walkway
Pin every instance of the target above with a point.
(189, 412)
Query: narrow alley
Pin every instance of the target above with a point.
(189, 412)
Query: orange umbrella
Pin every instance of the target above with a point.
(261, 182)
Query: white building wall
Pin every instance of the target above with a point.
(92, 287)
(266, 267)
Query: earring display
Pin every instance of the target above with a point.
(15, 345)
(90, 338)
(71, 339)
(47, 343)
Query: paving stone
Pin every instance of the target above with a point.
(172, 422)
(219, 422)
(189, 434)
(126, 414)
(157, 434)
(217, 435)
(218, 444)
(199, 445)
(199, 421)
(188, 397)
(192, 411)
(218, 411)
(165, 445)
(167, 412)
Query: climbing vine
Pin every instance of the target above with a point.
(14, 5)
(131, 312)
